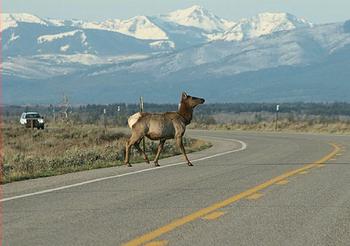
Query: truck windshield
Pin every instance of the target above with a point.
(31, 116)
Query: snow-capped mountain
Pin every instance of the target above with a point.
(197, 16)
(29, 39)
(12, 20)
(176, 30)
(140, 27)
(299, 47)
(262, 24)
(189, 48)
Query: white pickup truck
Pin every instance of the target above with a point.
(32, 119)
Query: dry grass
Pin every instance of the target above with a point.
(66, 148)
(284, 126)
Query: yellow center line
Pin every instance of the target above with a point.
(214, 215)
(202, 212)
(282, 182)
(157, 243)
(254, 196)
(303, 172)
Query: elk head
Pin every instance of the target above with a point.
(190, 101)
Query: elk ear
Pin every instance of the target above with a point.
(184, 95)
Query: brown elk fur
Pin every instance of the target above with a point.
(162, 126)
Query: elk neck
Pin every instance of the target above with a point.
(186, 113)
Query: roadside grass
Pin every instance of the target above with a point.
(282, 126)
(64, 148)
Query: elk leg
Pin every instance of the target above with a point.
(137, 146)
(127, 153)
(181, 145)
(160, 148)
(133, 139)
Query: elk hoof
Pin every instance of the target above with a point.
(147, 161)
(190, 164)
(156, 164)
(128, 164)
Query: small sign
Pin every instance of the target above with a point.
(104, 111)
(277, 107)
(118, 109)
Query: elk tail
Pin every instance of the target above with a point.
(133, 119)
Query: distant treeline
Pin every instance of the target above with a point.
(336, 108)
(118, 113)
(322, 109)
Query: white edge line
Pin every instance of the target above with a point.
(243, 147)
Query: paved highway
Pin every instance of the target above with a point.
(248, 189)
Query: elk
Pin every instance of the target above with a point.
(161, 126)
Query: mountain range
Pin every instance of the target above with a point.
(268, 57)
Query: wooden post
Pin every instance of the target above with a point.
(118, 115)
(276, 120)
(141, 104)
(141, 110)
(104, 118)
(54, 115)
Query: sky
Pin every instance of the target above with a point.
(317, 11)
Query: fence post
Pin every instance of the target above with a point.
(32, 124)
(277, 110)
(141, 110)
(104, 118)
(54, 115)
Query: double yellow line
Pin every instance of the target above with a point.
(200, 213)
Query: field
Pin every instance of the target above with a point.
(64, 148)
(282, 126)
(80, 142)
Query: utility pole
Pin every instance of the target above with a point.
(276, 122)
(141, 110)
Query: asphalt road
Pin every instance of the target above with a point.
(279, 189)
